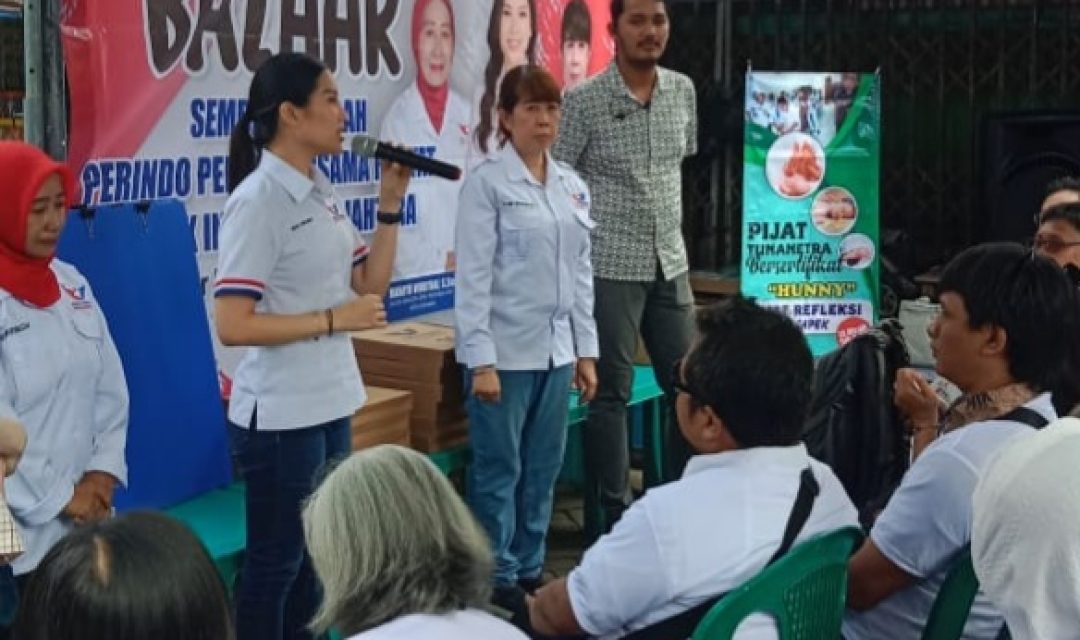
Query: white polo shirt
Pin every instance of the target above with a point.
(61, 377)
(928, 521)
(287, 243)
(706, 534)
(524, 297)
(467, 624)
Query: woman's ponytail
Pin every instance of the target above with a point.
(243, 154)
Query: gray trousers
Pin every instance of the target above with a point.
(662, 312)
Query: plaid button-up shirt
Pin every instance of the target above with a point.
(11, 544)
(630, 154)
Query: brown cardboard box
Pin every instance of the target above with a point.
(418, 358)
(445, 437)
(384, 418)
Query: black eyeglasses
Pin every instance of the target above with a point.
(1052, 245)
(676, 379)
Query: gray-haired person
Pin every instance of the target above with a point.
(398, 553)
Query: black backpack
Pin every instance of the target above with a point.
(853, 425)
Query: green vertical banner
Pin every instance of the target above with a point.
(810, 201)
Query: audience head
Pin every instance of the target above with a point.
(1058, 236)
(1064, 190)
(389, 537)
(746, 381)
(141, 575)
(1024, 543)
(1006, 314)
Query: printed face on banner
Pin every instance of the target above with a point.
(436, 46)
(810, 205)
(157, 87)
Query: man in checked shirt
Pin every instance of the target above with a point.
(627, 131)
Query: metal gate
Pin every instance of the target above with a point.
(944, 64)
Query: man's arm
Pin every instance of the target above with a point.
(550, 612)
(872, 577)
(573, 130)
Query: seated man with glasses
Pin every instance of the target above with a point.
(1005, 337)
(1058, 237)
(743, 393)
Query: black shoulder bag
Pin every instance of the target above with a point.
(682, 625)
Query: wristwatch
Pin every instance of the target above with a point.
(385, 217)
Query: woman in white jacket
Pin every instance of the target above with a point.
(60, 374)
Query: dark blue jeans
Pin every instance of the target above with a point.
(278, 593)
(9, 599)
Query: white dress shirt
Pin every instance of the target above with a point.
(524, 297)
(699, 537)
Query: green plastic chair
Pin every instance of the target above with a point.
(953, 603)
(804, 592)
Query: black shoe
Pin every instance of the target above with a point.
(511, 598)
(530, 585)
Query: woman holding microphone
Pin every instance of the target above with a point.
(294, 276)
(525, 329)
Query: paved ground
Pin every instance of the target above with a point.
(566, 537)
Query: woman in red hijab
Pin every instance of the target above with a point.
(60, 375)
(431, 117)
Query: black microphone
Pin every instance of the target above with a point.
(372, 148)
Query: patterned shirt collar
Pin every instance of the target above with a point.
(620, 89)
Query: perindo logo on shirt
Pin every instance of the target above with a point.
(10, 331)
(78, 297)
(335, 212)
(581, 200)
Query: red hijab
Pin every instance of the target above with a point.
(434, 98)
(23, 170)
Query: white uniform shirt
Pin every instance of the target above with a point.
(423, 248)
(287, 243)
(61, 377)
(468, 624)
(928, 521)
(704, 535)
(524, 298)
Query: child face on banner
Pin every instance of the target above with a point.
(46, 219)
(515, 31)
(575, 55)
(436, 44)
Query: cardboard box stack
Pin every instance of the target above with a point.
(418, 357)
(384, 418)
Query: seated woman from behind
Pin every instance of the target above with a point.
(135, 577)
(397, 552)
